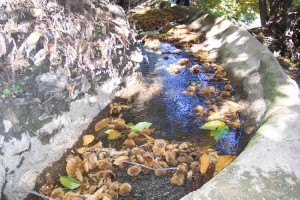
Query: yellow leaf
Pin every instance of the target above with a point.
(100, 125)
(81, 150)
(119, 120)
(33, 37)
(113, 134)
(223, 162)
(204, 163)
(87, 139)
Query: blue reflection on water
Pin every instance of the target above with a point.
(171, 111)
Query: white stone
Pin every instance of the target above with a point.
(7, 125)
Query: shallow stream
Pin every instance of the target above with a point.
(163, 102)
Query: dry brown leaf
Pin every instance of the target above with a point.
(100, 125)
(129, 143)
(86, 166)
(97, 146)
(97, 195)
(33, 37)
(73, 164)
(87, 139)
(223, 162)
(71, 196)
(203, 149)
(149, 138)
(204, 163)
(147, 131)
(92, 159)
(78, 175)
(119, 161)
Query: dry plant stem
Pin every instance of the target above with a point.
(145, 166)
(39, 195)
(49, 98)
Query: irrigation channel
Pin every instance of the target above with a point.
(167, 100)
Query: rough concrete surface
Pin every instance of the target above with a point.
(269, 166)
(35, 130)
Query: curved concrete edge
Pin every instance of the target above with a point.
(269, 166)
(34, 156)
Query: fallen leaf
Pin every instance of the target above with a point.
(97, 194)
(149, 138)
(71, 195)
(69, 182)
(73, 164)
(147, 131)
(140, 126)
(34, 37)
(220, 132)
(87, 139)
(119, 120)
(212, 125)
(204, 163)
(113, 134)
(119, 161)
(223, 162)
(95, 147)
(81, 150)
(78, 175)
(100, 125)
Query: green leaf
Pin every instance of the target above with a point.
(69, 182)
(195, 83)
(140, 126)
(5, 93)
(220, 132)
(16, 89)
(212, 125)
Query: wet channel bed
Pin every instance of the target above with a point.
(165, 102)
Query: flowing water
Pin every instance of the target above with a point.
(163, 103)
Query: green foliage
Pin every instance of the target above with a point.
(244, 10)
(296, 3)
(220, 132)
(140, 126)
(7, 92)
(217, 129)
(69, 182)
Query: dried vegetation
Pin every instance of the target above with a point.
(91, 169)
(79, 36)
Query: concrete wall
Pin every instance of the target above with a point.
(269, 166)
(33, 135)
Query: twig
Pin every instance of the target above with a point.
(39, 195)
(50, 98)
